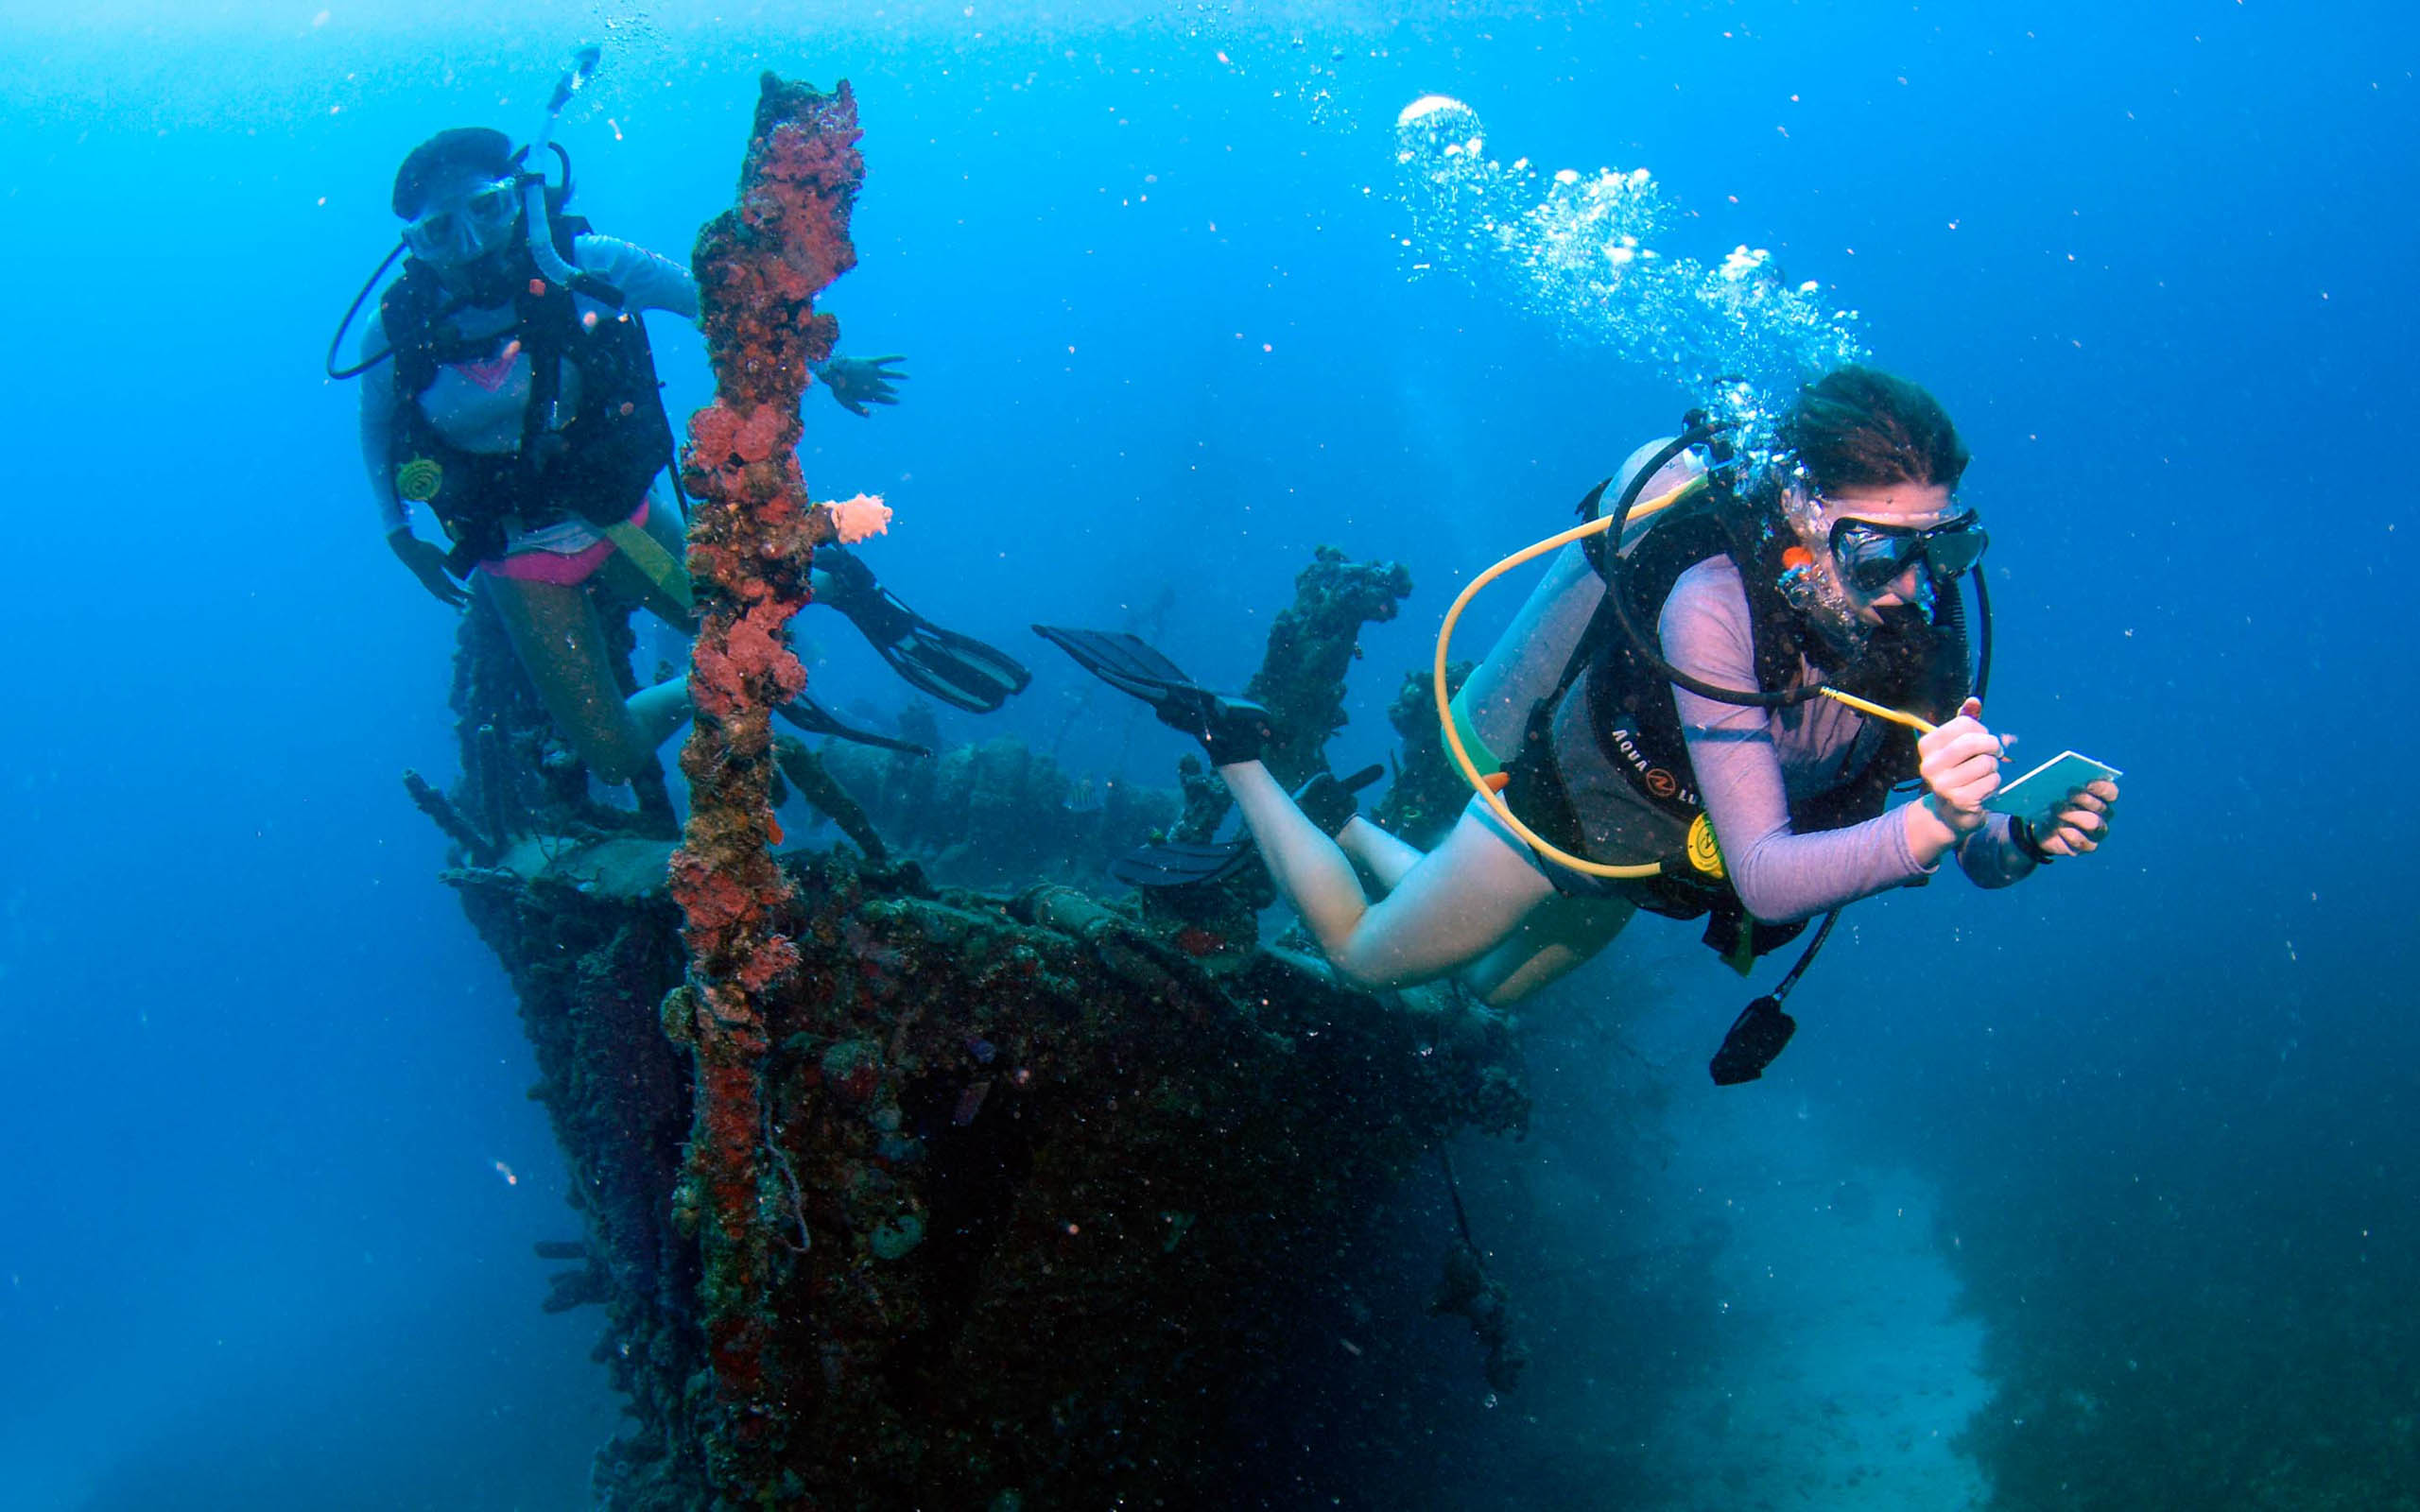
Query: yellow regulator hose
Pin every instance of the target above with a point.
(1487, 792)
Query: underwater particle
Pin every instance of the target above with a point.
(897, 1237)
(505, 1171)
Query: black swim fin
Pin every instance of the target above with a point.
(1230, 729)
(1325, 800)
(805, 713)
(1181, 862)
(957, 669)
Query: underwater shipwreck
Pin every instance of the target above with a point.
(932, 1167)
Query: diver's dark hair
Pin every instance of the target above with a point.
(473, 147)
(1861, 427)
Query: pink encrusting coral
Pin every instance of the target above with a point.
(857, 518)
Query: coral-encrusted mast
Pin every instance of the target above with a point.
(751, 536)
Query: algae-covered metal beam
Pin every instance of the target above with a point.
(759, 266)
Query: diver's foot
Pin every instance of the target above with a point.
(1327, 800)
(1231, 730)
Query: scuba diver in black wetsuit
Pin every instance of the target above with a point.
(521, 406)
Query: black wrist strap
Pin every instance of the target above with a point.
(2021, 835)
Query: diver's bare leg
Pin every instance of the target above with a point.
(1558, 935)
(1383, 856)
(562, 642)
(1449, 909)
(1308, 866)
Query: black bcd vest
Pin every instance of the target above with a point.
(1907, 663)
(595, 465)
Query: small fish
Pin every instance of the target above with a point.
(773, 828)
(505, 1171)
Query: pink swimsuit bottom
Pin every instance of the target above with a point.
(568, 569)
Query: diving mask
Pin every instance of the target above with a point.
(1870, 554)
(456, 231)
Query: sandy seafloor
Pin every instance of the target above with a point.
(1846, 1369)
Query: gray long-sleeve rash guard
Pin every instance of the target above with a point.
(1750, 763)
(478, 405)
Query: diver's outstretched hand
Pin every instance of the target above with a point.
(428, 563)
(1960, 765)
(856, 382)
(2083, 826)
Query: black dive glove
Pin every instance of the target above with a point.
(428, 563)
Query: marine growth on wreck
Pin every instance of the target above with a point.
(932, 1168)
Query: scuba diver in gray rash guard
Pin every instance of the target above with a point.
(509, 388)
(1834, 565)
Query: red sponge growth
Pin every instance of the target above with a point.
(751, 536)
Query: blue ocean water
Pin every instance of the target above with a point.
(2131, 1145)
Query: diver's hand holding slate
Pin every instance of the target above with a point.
(1960, 762)
(2043, 796)
(2069, 819)
(2084, 827)
(2064, 805)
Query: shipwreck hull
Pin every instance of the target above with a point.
(1047, 1190)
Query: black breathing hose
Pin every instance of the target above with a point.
(1701, 431)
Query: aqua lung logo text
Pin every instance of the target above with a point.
(1660, 782)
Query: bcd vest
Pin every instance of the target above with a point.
(595, 465)
(1907, 663)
